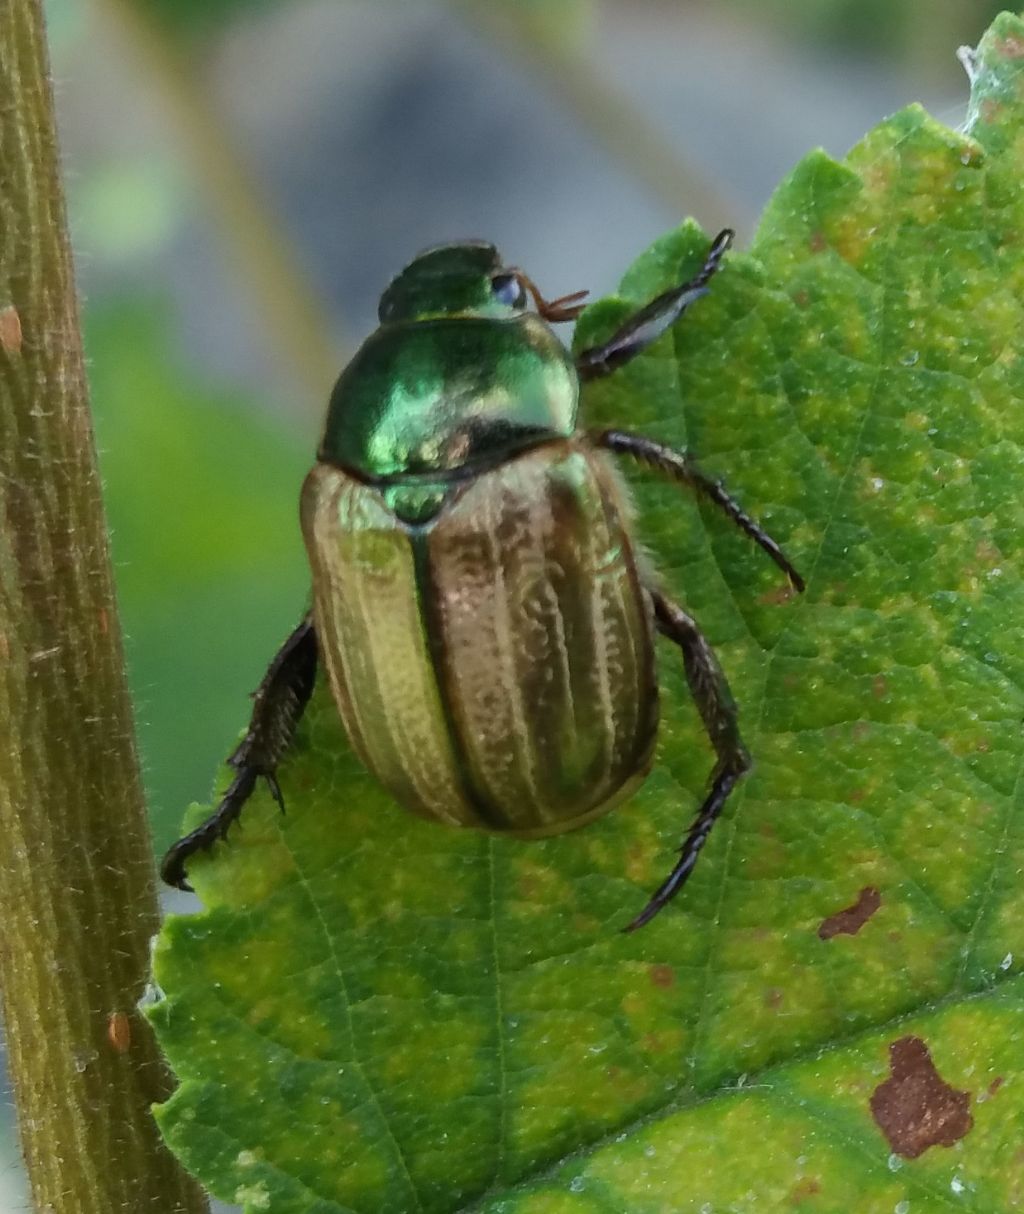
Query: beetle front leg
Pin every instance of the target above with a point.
(680, 467)
(279, 703)
(648, 324)
(717, 708)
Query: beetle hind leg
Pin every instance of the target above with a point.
(718, 711)
(279, 703)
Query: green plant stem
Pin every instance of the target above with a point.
(77, 902)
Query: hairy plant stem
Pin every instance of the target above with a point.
(77, 903)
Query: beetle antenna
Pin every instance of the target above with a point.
(565, 307)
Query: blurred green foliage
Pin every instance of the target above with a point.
(876, 26)
(201, 491)
(194, 19)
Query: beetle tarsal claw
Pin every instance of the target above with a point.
(275, 789)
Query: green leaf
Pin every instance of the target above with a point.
(377, 1014)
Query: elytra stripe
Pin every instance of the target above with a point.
(428, 598)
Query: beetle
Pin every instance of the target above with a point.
(483, 616)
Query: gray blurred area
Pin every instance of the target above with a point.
(365, 132)
(372, 131)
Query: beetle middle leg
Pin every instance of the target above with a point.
(717, 709)
(651, 321)
(279, 703)
(680, 467)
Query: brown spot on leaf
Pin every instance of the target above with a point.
(804, 1189)
(991, 1090)
(10, 329)
(1011, 47)
(773, 998)
(987, 552)
(777, 594)
(528, 885)
(915, 1108)
(638, 862)
(663, 975)
(879, 686)
(849, 921)
(818, 242)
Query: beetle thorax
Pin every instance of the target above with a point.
(449, 395)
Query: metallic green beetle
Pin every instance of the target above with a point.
(484, 618)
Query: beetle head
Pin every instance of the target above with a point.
(467, 279)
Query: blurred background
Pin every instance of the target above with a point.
(244, 177)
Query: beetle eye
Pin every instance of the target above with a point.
(508, 290)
